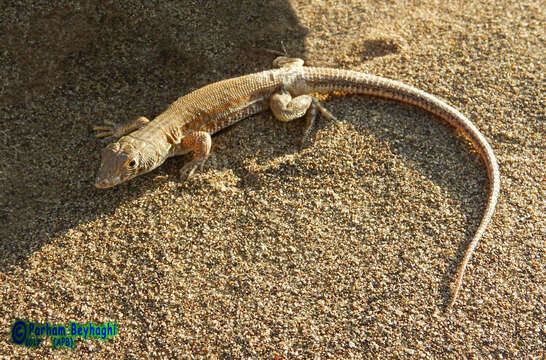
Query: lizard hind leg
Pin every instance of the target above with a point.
(284, 61)
(286, 108)
(109, 129)
(200, 143)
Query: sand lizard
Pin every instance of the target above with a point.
(187, 125)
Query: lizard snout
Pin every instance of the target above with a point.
(102, 183)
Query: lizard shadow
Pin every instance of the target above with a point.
(426, 145)
(66, 68)
(77, 65)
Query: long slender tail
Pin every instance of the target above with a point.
(327, 79)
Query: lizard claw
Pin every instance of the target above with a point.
(324, 112)
(107, 130)
(110, 129)
(285, 61)
(310, 118)
(188, 170)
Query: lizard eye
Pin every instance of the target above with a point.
(132, 163)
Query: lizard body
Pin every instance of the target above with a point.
(188, 123)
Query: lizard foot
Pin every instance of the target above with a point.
(310, 117)
(287, 108)
(188, 170)
(200, 143)
(284, 61)
(324, 112)
(111, 130)
(106, 130)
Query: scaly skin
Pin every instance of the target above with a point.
(188, 123)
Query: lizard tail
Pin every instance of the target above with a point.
(327, 80)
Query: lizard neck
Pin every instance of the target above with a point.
(152, 143)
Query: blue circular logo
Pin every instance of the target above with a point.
(19, 332)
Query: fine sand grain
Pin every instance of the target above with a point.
(345, 249)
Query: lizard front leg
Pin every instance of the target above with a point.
(286, 108)
(110, 129)
(200, 143)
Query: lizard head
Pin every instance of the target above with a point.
(124, 160)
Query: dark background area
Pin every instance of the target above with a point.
(69, 66)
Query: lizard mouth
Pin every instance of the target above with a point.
(105, 183)
(102, 186)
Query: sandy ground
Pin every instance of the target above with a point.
(345, 249)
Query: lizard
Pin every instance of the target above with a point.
(188, 123)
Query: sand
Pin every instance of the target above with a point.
(343, 249)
